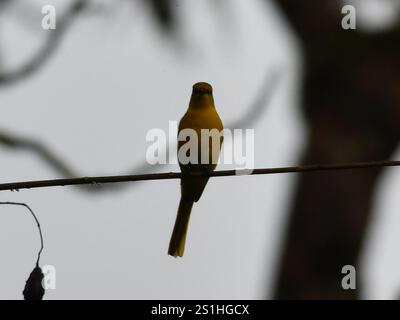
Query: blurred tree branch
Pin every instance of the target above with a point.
(163, 13)
(47, 50)
(162, 10)
(11, 141)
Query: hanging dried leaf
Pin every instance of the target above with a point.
(33, 288)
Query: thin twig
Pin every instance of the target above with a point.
(177, 175)
(37, 222)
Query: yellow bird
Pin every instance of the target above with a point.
(201, 114)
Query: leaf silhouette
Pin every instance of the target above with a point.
(33, 288)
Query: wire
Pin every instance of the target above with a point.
(16, 186)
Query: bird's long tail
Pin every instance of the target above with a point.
(178, 238)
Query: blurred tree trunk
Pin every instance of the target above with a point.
(351, 104)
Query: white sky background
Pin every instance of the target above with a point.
(114, 78)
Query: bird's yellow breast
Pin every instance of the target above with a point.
(198, 118)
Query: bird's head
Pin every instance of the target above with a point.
(202, 88)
